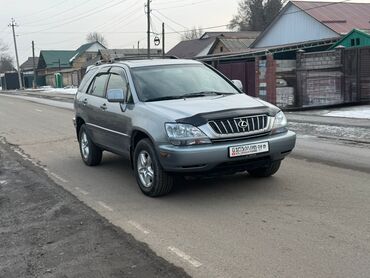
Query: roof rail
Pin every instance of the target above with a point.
(142, 57)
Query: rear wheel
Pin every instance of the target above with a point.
(268, 171)
(150, 176)
(90, 153)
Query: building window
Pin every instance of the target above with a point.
(358, 41)
(352, 42)
(221, 49)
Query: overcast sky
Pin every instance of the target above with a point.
(63, 24)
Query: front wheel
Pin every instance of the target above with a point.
(150, 176)
(268, 171)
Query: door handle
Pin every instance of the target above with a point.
(103, 106)
(84, 102)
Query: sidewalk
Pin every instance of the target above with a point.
(64, 97)
(47, 232)
(355, 130)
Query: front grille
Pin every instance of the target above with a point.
(240, 125)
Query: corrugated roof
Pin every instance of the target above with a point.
(232, 35)
(51, 58)
(341, 17)
(235, 45)
(191, 48)
(82, 49)
(28, 65)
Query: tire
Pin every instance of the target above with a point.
(264, 172)
(150, 176)
(90, 153)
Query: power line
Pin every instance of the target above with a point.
(44, 10)
(317, 7)
(31, 23)
(120, 17)
(186, 5)
(78, 18)
(179, 24)
(159, 20)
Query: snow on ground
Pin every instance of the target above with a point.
(49, 89)
(360, 112)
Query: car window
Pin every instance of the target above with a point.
(85, 80)
(97, 88)
(117, 81)
(177, 80)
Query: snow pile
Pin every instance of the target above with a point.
(70, 90)
(359, 112)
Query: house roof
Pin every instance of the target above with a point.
(194, 48)
(341, 17)
(362, 33)
(232, 35)
(263, 51)
(109, 54)
(236, 45)
(191, 48)
(51, 58)
(83, 48)
(28, 65)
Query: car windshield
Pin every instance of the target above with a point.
(178, 81)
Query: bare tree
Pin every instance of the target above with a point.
(194, 33)
(96, 37)
(6, 61)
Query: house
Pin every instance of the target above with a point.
(71, 64)
(85, 53)
(301, 21)
(27, 70)
(355, 38)
(52, 62)
(214, 42)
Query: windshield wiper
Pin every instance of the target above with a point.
(205, 93)
(164, 98)
(190, 95)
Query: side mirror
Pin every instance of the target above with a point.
(238, 84)
(116, 95)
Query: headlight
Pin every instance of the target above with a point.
(185, 134)
(280, 123)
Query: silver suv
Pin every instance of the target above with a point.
(177, 117)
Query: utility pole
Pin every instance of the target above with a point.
(34, 83)
(148, 32)
(163, 53)
(138, 47)
(13, 24)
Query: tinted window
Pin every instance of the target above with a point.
(98, 86)
(116, 82)
(177, 80)
(85, 81)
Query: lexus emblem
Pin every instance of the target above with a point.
(243, 124)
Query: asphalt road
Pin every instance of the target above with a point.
(310, 220)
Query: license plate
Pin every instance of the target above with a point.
(248, 149)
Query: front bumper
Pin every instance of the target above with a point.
(207, 157)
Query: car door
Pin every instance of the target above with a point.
(95, 106)
(116, 119)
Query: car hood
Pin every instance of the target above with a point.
(210, 105)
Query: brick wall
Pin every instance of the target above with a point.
(319, 78)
